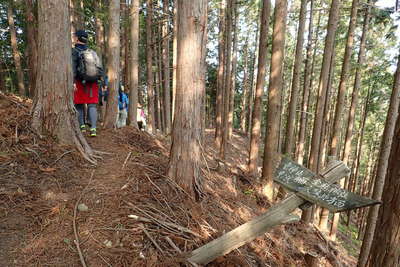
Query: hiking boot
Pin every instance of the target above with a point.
(83, 128)
(93, 132)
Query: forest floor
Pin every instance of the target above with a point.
(130, 213)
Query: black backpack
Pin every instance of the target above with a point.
(89, 67)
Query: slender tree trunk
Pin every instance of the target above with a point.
(274, 98)
(149, 58)
(185, 158)
(227, 78)
(14, 46)
(174, 56)
(307, 84)
(100, 42)
(113, 54)
(338, 122)
(233, 76)
(323, 220)
(134, 64)
(220, 76)
(53, 111)
(262, 62)
(354, 100)
(253, 78)
(322, 91)
(167, 94)
(291, 123)
(245, 95)
(31, 33)
(382, 172)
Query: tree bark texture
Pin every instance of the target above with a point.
(149, 62)
(234, 69)
(174, 56)
(262, 62)
(31, 33)
(227, 78)
(220, 76)
(134, 64)
(167, 73)
(100, 40)
(386, 242)
(245, 82)
(113, 54)
(291, 122)
(14, 46)
(185, 157)
(274, 98)
(53, 111)
(388, 142)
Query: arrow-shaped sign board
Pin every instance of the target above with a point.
(308, 186)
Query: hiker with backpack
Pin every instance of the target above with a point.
(87, 70)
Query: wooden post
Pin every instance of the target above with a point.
(276, 215)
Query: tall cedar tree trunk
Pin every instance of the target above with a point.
(100, 42)
(149, 58)
(253, 79)
(245, 96)
(174, 56)
(185, 157)
(353, 105)
(262, 62)
(386, 242)
(3, 86)
(234, 68)
(290, 128)
(322, 215)
(113, 60)
(53, 111)
(338, 122)
(167, 72)
(31, 33)
(227, 78)
(307, 85)
(220, 76)
(382, 171)
(134, 64)
(274, 98)
(16, 54)
(322, 91)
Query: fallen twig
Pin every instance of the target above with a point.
(153, 183)
(151, 239)
(126, 160)
(60, 157)
(172, 244)
(76, 241)
(162, 223)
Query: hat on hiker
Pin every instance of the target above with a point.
(82, 36)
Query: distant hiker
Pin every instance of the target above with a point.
(123, 103)
(87, 70)
(141, 117)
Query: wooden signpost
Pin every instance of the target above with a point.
(306, 187)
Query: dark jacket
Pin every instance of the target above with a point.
(75, 60)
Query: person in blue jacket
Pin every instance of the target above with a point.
(123, 103)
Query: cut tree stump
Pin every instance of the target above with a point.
(276, 215)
